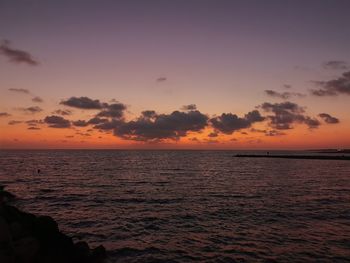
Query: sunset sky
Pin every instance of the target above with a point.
(184, 74)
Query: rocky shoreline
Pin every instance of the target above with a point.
(27, 238)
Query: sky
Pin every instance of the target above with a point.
(184, 74)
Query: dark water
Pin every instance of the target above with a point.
(184, 206)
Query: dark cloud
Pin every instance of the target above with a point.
(25, 91)
(80, 123)
(57, 122)
(97, 120)
(335, 64)
(149, 114)
(5, 114)
(228, 123)
(115, 110)
(62, 112)
(162, 126)
(83, 103)
(34, 122)
(189, 107)
(286, 114)
(37, 99)
(83, 134)
(108, 125)
(33, 109)
(287, 86)
(33, 128)
(274, 133)
(328, 118)
(283, 95)
(161, 79)
(14, 122)
(16, 55)
(213, 134)
(333, 87)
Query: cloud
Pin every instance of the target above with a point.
(162, 126)
(328, 118)
(287, 86)
(80, 123)
(283, 95)
(333, 87)
(14, 122)
(62, 112)
(287, 113)
(37, 99)
(149, 114)
(32, 110)
(97, 120)
(33, 128)
(189, 107)
(5, 114)
(274, 133)
(108, 125)
(34, 122)
(228, 123)
(54, 121)
(213, 134)
(335, 64)
(16, 55)
(268, 132)
(161, 79)
(115, 110)
(83, 103)
(25, 91)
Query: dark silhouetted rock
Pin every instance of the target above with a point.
(26, 238)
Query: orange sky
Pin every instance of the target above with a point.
(223, 57)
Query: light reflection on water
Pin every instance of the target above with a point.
(181, 206)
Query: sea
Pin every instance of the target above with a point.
(188, 206)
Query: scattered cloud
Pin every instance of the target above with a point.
(5, 114)
(80, 123)
(287, 86)
(189, 107)
(62, 112)
(25, 91)
(287, 113)
(274, 133)
(162, 126)
(228, 123)
(213, 134)
(328, 118)
(115, 110)
(333, 87)
(34, 122)
(268, 132)
(54, 121)
(32, 110)
(33, 128)
(37, 99)
(14, 122)
(161, 79)
(336, 65)
(284, 95)
(83, 103)
(16, 55)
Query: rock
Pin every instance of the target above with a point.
(26, 238)
(26, 249)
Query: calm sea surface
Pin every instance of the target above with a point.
(184, 206)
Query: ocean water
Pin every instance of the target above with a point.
(189, 206)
